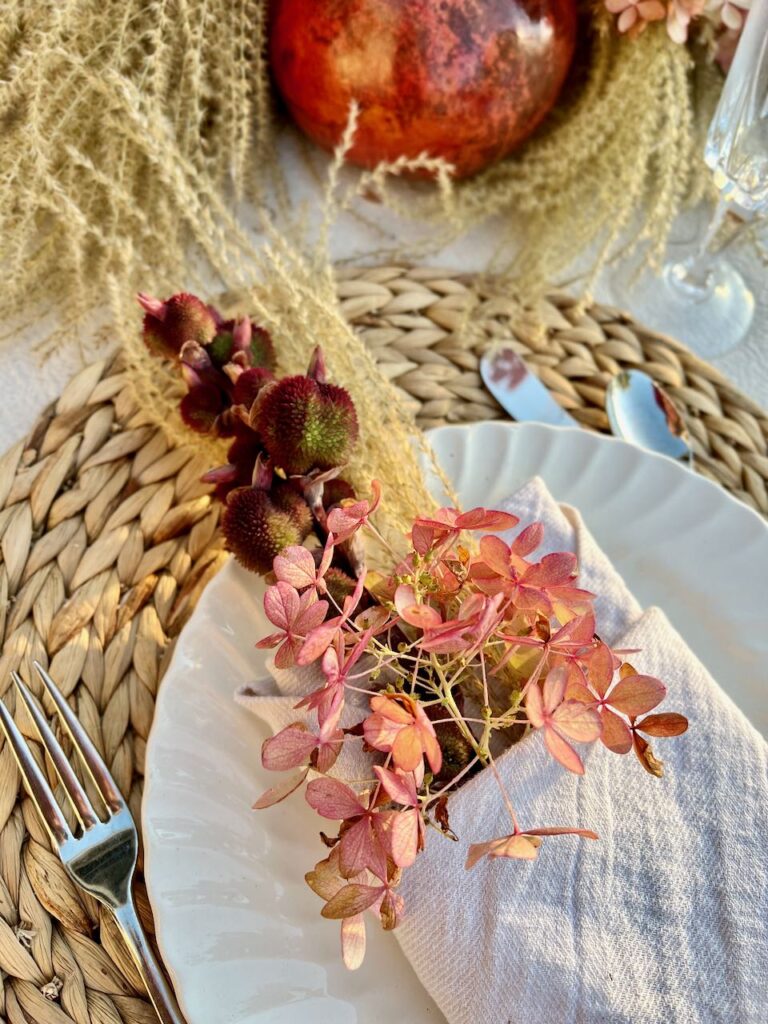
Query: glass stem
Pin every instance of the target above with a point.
(694, 272)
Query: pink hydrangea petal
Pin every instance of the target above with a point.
(277, 793)
(553, 570)
(475, 853)
(432, 749)
(360, 849)
(392, 709)
(554, 688)
(288, 748)
(627, 19)
(577, 722)
(281, 603)
(528, 540)
(486, 519)
(311, 616)
(344, 521)
(398, 787)
(353, 941)
(295, 566)
(407, 750)
(287, 652)
(534, 706)
(380, 732)
(651, 10)
(668, 723)
(350, 900)
(600, 668)
(518, 846)
(422, 537)
(563, 752)
(634, 695)
(616, 733)
(328, 754)
(272, 640)
(402, 834)
(415, 613)
(333, 799)
(495, 553)
(557, 830)
(578, 632)
(317, 641)
(577, 691)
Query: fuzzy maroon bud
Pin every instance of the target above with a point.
(201, 407)
(340, 585)
(259, 524)
(249, 384)
(183, 317)
(305, 425)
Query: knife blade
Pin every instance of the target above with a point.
(519, 391)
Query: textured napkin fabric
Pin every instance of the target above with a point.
(664, 920)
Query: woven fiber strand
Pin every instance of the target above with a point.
(416, 321)
(107, 539)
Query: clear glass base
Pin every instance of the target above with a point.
(708, 308)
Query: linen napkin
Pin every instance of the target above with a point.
(664, 920)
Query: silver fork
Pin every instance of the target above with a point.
(102, 859)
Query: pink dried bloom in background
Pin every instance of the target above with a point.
(635, 15)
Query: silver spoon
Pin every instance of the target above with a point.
(638, 409)
(641, 412)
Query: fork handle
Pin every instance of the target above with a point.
(158, 989)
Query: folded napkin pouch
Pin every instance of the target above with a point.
(664, 919)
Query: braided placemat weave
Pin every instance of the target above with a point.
(410, 318)
(107, 539)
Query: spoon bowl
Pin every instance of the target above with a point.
(639, 411)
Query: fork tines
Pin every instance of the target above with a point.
(39, 788)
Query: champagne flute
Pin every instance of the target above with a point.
(703, 300)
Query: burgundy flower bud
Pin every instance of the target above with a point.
(305, 425)
(259, 524)
(183, 317)
(245, 343)
(340, 585)
(201, 407)
(336, 491)
(249, 384)
(457, 752)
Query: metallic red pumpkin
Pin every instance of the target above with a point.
(466, 80)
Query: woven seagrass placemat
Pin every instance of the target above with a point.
(107, 539)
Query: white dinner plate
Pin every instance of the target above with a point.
(238, 928)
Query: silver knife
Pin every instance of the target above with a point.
(519, 391)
